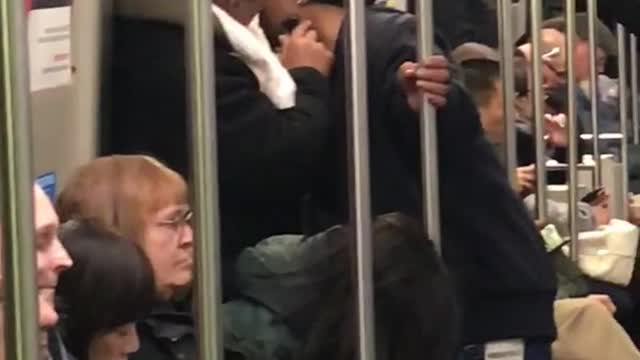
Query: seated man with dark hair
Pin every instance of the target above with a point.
(481, 73)
(481, 77)
(490, 243)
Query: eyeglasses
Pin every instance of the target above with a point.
(181, 219)
(547, 60)
(562, 74)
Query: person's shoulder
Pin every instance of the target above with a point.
(391, 38)
(385, 13)
(384, 22)
(288, 253)
(389, 29)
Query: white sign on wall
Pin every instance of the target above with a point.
(49, 37)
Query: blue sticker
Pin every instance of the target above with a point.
(48, 183)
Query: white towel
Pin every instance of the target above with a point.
(252, 47)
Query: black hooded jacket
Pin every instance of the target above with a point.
(490, 243)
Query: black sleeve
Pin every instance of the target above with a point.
(262, 148)
(405, 120)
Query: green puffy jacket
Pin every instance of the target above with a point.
(277, 281)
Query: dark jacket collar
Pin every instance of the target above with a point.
(171, 320)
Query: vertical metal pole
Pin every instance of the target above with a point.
(21, 314)
(572, 126)
(428, 131)
(592, 12)
(359, 190)
(624, 113)
(205, 178)
(508, 85)
(634, 88)
(538, 109)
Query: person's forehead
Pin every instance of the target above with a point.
(44, 213)
(173, 210)
(553, 37)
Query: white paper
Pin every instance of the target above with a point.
(49, 47)
(504, 350)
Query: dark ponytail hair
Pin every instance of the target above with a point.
(110, 284)
(415, 311)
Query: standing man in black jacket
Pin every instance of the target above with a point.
(492, 247)
(266, 154)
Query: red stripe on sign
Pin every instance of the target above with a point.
(60, 57)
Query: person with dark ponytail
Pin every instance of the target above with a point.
(298, 297)
(109, 288)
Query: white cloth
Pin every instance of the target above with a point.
(607, 89)
(609, 253)
(252, 47)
